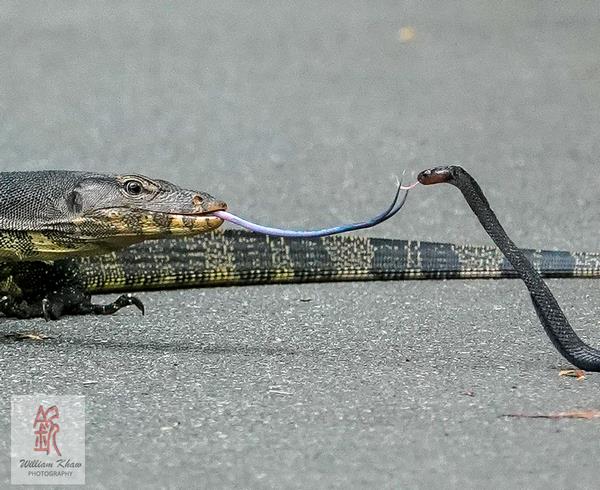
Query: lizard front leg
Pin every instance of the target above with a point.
(52, 290)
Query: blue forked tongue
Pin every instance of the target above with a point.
(267, 230)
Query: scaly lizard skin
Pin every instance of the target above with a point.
(66, 235)
(48, 216)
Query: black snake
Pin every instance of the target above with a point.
(548, 310)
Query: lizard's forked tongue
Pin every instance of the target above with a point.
(396, 205)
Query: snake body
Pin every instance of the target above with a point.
(554, 321)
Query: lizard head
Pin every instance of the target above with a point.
(54, 214)
(118, 210)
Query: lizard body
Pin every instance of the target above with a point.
(234, 257)
(66, 235)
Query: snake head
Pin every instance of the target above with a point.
(438, 175)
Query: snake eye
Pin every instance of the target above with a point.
(133, 187)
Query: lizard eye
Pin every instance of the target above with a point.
(133, 187)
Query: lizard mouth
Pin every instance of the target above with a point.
(202, 218)
(206, 219)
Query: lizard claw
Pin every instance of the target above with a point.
(46, 309)
(122, 301)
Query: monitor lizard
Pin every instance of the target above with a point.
(65, 235)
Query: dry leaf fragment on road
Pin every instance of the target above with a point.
(573, 373)
(27, 336)
(573, 414)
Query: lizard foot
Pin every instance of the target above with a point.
(66, 302)
(84, 306)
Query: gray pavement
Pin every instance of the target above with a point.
(299, 114)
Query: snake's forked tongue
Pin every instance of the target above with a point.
(394, 207)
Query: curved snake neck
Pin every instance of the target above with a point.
(562, 335)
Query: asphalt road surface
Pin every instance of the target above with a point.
(300, 114)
